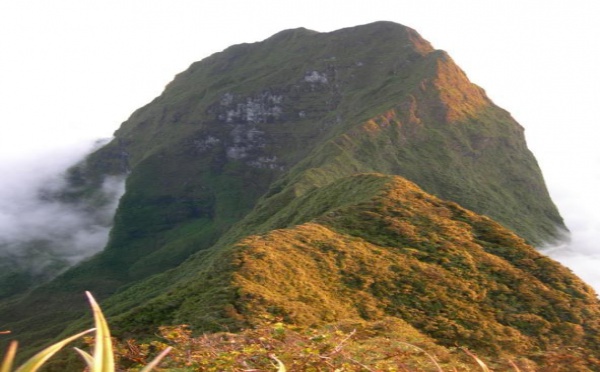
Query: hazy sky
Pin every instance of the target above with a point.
(73, 70)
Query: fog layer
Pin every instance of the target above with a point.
(40, 233)
(574, 181)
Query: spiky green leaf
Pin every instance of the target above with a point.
(103, 353)
(40, 358)
(9, 357)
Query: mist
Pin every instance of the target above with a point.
(42, 234)
(574, 181)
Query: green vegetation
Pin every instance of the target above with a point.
(387, 250)
(273, 182)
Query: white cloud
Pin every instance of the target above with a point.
(37, 228)
(575, 189)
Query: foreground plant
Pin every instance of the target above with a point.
(37, 360)
(102, 359)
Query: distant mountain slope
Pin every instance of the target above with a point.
(238, 144)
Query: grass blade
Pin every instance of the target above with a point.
(281, 366)
(514, 366)
(103, 353)
(479, 361)
(38, 359)
(156, 360)
(89, 360)
(439, 368)
(7, 362)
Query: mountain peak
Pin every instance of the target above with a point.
(291, 33)
(364, 136)
(387, 32)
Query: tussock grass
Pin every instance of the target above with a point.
(376, 346)
(280, 347)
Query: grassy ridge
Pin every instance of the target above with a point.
(267, 136)
(392, 251)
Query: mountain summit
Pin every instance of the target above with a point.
(315, 177)
(378, 96)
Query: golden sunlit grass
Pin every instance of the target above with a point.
(451, 277)
(280, 347)
(253, 350)
(373, 346)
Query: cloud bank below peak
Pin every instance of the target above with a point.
(42, 234)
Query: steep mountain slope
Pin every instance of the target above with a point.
(241, 142)
(377, 246)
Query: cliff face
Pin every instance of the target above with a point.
(252, 138)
